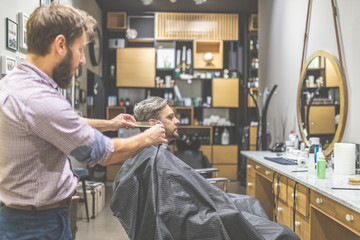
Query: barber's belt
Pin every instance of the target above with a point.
(60, 204)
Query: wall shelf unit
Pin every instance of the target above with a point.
(116, 21)
(154, 55)
(215, 48)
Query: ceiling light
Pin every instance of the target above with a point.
(198, 2)
(173, 1)
(147, 2)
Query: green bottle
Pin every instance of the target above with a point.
(321, 165)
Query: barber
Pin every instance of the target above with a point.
(40, 130)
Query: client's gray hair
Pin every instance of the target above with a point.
(149, 108)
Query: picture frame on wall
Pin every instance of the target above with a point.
(22, 20)
(11, 34)
(7, 64)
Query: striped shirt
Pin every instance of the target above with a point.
(38, 131)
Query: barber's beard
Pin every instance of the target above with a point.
(62, 72)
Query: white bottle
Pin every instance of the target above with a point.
(225, 137)
(293, 138)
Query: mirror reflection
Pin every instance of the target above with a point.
(321, 100)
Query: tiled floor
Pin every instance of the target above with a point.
(106, 227)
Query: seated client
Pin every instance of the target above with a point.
(157, 196)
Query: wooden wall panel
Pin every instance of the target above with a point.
(201, 26)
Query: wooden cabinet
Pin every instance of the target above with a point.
(276, 194)
(225, 92)
(332, 80)
(116, 21)
(215, 48)
(208, 26)
(283, 214)
(332, 220)
(225, 154)
(317, 217)
(135, 67)
(225, 158)
(113, 111)
(255, 92)
(253, 22)
(252, 137)
(302, 225)
(301, 197)
(321, 120)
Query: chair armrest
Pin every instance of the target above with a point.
(219, 179)
(206, 170)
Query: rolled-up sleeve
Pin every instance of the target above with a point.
(62, 127)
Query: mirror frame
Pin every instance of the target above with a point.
(343, 98)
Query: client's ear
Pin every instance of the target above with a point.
(153, 121)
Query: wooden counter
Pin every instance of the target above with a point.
(321, 212)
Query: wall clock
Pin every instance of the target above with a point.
(95, 48)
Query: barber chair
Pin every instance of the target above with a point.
(188, 152)
(83, 175)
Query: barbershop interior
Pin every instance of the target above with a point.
(247, 80)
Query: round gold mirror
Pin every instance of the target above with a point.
(322, 100)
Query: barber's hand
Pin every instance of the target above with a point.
(122, 121)
(156, 135)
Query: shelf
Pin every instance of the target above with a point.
(253, 22)
(165, 69)
(116, 21)
(139, 40)
(202, 47)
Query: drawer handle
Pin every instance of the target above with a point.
(349, 217)
(267, 172)
(257, 166)
(292, 195)
(248, 166)
(249, 184)
(319, 200)
(297, 223)
(279, 209)
(277, 184)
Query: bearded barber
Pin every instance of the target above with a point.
(40, 130)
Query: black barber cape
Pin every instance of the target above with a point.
(158, 197)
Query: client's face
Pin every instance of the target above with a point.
(171, 123)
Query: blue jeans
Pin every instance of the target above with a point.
(51, 224)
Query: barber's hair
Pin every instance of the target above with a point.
(149, 108)
(47, 22)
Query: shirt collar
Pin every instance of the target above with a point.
(28, 67)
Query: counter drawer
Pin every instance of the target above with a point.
(250, 185)
(346, 216)
(250, 168)
(280, 185)
(283, 214)
(302, 197)
(302, 226)
(265, 172)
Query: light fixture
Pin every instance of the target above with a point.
(147, 2)
(173, 1)
(198, 2)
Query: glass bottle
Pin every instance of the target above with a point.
(225, 137)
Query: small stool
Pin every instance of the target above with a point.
(83, 175)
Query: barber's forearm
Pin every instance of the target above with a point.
(125, 148)
(100, 124)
